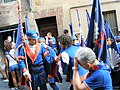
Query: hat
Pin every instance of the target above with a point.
(73, 38)
(117, 38)
(41, 39)
(32, 34)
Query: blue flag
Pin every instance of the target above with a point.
(26, 23)
(81, 31)
(88, 19)
(113, 55)
(96, 34)
(71, 29)
(18, 39)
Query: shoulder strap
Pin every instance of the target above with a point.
(11, 56)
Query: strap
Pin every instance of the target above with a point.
(11, 56)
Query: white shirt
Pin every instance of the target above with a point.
(10, 59)
(32, 48)
(65, 57)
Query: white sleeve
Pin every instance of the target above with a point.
(65, 57)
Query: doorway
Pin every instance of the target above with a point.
(46, 25)
(8, 31)
(4, 33)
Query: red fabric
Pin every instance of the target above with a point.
(21, 57)
(30, 54)
(93, 69)
(53, 69)
(46, 53)
(22, 81)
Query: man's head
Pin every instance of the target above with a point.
(65, 41)
(49, 35)
(41, 40)
(65, 31)
(9, 38)
(75, 41)
(32, 36)
(12, 45)
(85, 57)
(77, 35)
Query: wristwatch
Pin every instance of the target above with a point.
(74, 68)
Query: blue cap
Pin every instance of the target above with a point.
(32, 34)
(73, 38)
(117, 37)
(41, 39)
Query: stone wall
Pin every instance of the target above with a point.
(9, 13)
(56, 11)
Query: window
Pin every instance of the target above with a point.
(111, 17)
(5, 1)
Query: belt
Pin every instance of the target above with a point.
(34, 70)
(37, 66)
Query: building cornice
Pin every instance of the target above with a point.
(102, 3)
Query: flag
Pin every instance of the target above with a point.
(18, 39)
(96, 33)
(81, 31)
(26, 23)
(71, 29)
(88, 19)
(113, 55)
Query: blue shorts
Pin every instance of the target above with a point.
(14, 67)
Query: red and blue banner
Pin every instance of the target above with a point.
(96, 34)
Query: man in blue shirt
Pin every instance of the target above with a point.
(51, 41)
(98, 77)
(50, 65)
(33, 68)
(67, 57)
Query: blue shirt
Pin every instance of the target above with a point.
(100, 79)
(68, 61)
(53, 45)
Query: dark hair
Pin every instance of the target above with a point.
(65, 31)
(65, 40)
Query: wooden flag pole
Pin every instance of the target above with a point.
(21, 29)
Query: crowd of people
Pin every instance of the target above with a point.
(40, 61)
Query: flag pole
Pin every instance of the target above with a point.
(81, 32)
(70, 25)
(19, 15)
(21, 29)
(88, 19)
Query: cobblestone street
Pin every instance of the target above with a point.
(62, 86)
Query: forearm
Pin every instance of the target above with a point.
(77, 83)
(76, 80)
